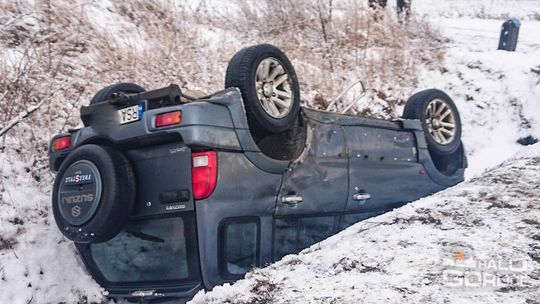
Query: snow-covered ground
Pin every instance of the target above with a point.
(431, 251)
(37, 264)
(399, 257)
(485, 9)
(496, 91)
(478, 242)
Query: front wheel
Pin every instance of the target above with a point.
(440, 120)
(269, 87)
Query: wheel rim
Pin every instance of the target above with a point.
(274, 88)
(441, 121)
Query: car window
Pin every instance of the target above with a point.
(239, 246)
(353, 218)
(291, 235)
(148, 250)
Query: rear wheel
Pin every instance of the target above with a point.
(93, 194)
(107, 92)
(269, 87)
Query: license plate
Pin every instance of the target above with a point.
(130, 114)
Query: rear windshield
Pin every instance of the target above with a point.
(149, 250)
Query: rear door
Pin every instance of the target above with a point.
(158, 249)
(163, 179)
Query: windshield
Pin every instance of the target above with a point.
(161, 249)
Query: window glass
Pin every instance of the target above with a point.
(291, 235)
(353, 218)
(240, 247)
(146, 250)
(285, 237)
(315, 229)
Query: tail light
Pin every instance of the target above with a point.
(203, 174)
(168, 119)
(61, 143)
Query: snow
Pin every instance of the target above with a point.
(114, 25)
(403, 256)
(496, 91)
(399, 257)
(486, 227)
(37, 264)
(493, 9)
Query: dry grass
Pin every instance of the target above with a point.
(334, 43)
(54, 56)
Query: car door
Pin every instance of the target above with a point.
(313, 193)
(383, 167)
(317, 182)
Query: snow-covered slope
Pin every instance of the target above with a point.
(37, 264)
(430, 251)
(410, 254)
(484, 9)
(496, 91)
(497, 94)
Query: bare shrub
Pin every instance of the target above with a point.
(265, 287)
(333, 43)
(40, 69)
(53, 59)
(54, 55)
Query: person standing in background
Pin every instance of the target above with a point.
(375, 4)
(403, 7)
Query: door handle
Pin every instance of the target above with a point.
(291, 199)
(361, 196)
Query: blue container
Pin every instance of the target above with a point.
(509, 35)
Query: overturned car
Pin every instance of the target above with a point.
(164, 197)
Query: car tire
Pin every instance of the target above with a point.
(107, 92)
(440, 120)
(269, 87)
(449, 164)
(93, 194)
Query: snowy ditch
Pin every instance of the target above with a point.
(476, 242)
(432, 250)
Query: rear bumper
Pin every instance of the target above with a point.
(204, 123)
(218, 122)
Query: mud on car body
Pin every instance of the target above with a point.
(164, 197)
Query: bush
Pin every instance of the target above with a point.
(54, 55)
